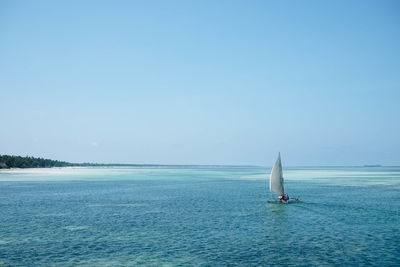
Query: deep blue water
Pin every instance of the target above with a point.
(199, 216)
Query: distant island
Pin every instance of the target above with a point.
(10, 161)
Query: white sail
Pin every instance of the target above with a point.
(276, 180)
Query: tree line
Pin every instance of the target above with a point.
(7, 161)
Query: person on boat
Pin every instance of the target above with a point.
(284, 198)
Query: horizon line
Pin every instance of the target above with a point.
(223, 165)
(92, 164)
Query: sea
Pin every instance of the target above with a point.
(199, 216)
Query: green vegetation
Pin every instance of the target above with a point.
(7, 161)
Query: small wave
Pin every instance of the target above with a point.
(116, 205)
(75, 228)
(52, 214)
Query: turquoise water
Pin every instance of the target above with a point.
(208, 216)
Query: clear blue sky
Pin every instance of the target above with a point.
(201, 82)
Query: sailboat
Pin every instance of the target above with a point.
(276, 182)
